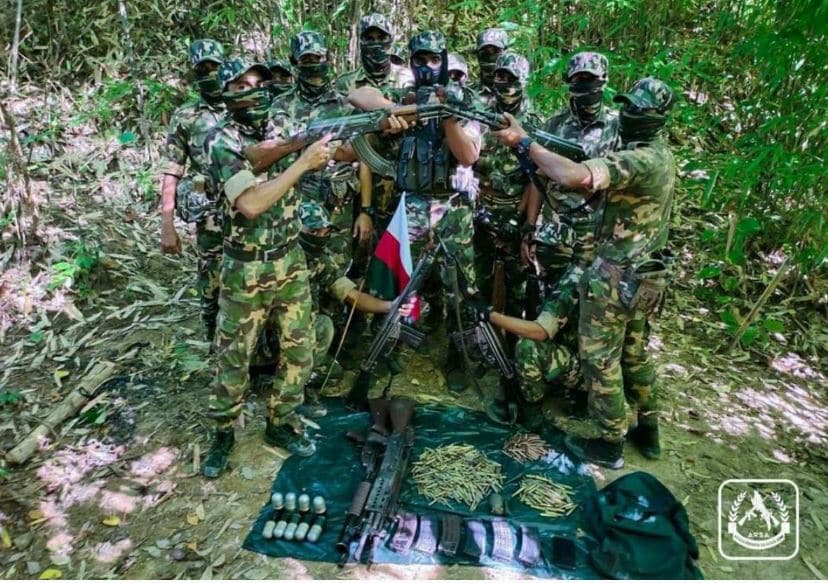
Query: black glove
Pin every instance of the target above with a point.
(480, 309)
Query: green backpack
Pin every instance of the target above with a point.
(642, 531)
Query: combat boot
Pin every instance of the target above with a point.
(645, 437)
(312, 408)
(455, 371)
(285, 436)
(219, 454)
(531, 415)
(607, 454)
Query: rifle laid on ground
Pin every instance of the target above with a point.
(392, 331)
(385, 455)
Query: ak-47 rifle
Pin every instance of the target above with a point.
(392, 331)
(385, 458)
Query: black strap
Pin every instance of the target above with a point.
(239, 254)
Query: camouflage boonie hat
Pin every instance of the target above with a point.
(649, 93)
(313, 216)
(429, 41)
(308, 42)
(495, 37)
(456, 62)
(206, 50)
(234, 69)
(588, 62)
(375, 20)
(280, 65)
(516, 64)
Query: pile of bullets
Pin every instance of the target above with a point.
(293, 519)
(526, 447)
(456, 472)
(550, 499)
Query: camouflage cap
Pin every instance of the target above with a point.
(308, 42)
(398, 50)
(429, 41)
(588, 62)
(233, 69)
(313, 216)
(649, 93)
(456, 62)
(495, 37)
(206, 50)
(516, 64)
(375, 20)
(279, 65)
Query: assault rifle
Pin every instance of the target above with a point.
(392, 331)
(385, 458)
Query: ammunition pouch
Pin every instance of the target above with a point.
(192, 206)
(423, 165)
(642, 287)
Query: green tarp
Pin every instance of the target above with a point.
(335, 470)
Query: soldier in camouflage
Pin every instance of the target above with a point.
(490, 45)
(458, 69)
(503, 190)
(185, 143)
(429, 153)
(282, 77)
(264, 275)
(626, 282)
(376, 69)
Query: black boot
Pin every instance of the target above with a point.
(645, 437)
(286, 437)
(217, 457)
(607, 454)
(456, 373)
(312, 408)
(530, 415)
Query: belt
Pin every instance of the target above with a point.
(256, 254)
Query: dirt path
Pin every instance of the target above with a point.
(113, 493)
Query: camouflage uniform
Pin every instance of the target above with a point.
(264, 278)
(633, 223)
(484, 92)
(457, 64)
(501, 186)
(335, 185)
(568, 229)
(188, 129)
(282, 68)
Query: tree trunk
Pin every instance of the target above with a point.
(15, 48)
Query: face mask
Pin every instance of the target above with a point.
(488, 64)
(508, 94)
(585, 99)
(375, 58)
(425, 75)
(313, 78)
(251, 107)
(278, 88)
(639, 127)
(209, 86)
(312, 244)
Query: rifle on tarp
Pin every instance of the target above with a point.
(385, 454)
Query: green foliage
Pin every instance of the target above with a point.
(75, 270)
(9, 398)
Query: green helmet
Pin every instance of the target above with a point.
(206, 50)
(375, 20)
(649, 93)
(495, 37)
(587, 62)
(313, 216)
(308, 42)
(279, 65)
(516, 64)
(233, 69)
(429, 41)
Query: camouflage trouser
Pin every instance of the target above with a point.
(451, 220)
(208, 244)
(340, 242)
(324, 331)
(253, 292)
(487, 250)
(541, 363)
(614, 359)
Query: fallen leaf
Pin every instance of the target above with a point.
(60, 374)
(5, 537)
(35, 515)
(248, 473)
(163, 543)
(51, 574)
(111, 521)
(154, 552)
(200, 511)
(192, 518)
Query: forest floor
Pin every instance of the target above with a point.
(113, 491)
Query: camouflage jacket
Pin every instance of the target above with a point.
(326, 279)
(357, 78)
(230, 174)
(598, 138)
(634, 218)
(484, 97)
(188, 129)
(294, 112)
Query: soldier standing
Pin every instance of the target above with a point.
(626, 282)
(458, 69)
(264, 275)
(282, 77)
(185, 142)
(490, 45)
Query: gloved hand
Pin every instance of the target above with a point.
(480, 309)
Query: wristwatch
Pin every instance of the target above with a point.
(523, 146)
(368, 210)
